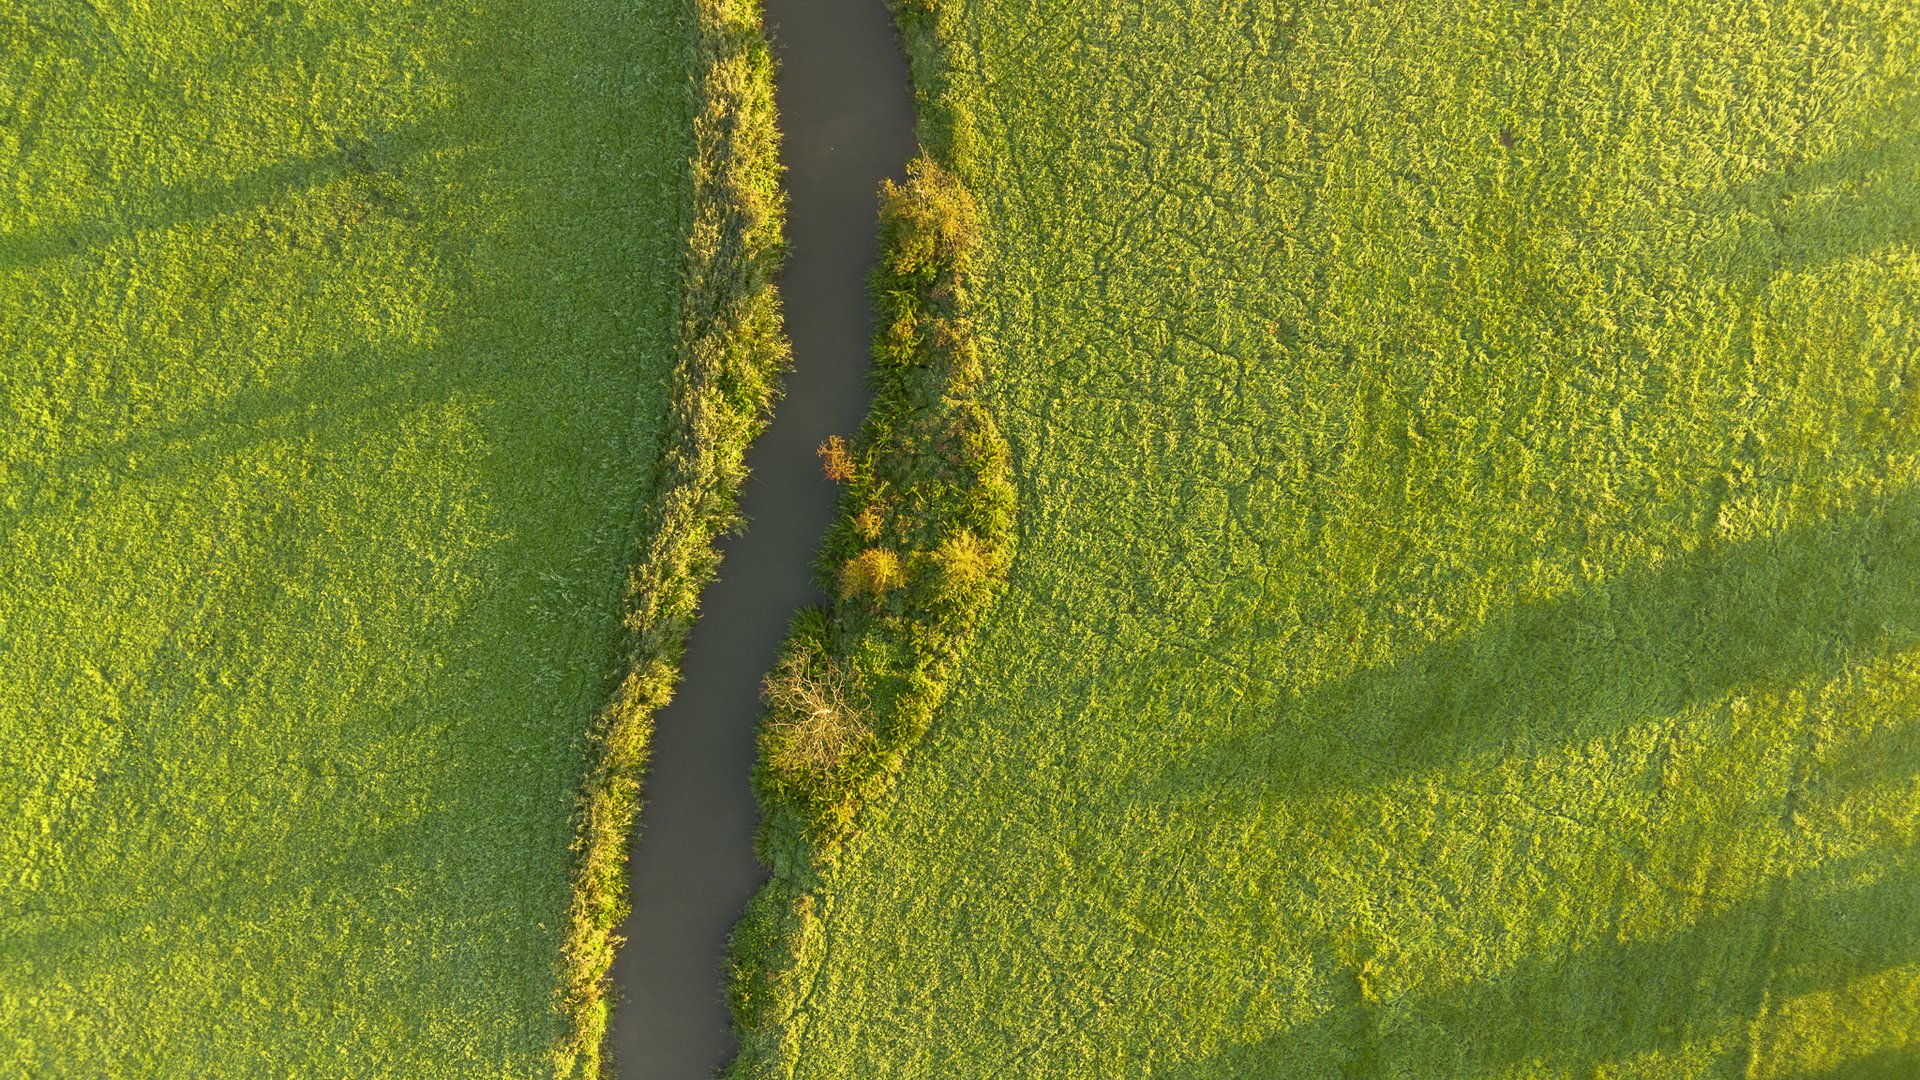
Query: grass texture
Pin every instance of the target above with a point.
(340, 344)
(1466, 599)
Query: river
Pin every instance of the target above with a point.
(847, 121)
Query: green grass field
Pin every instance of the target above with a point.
(335, 342)
(1466, 617)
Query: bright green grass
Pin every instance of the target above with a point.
(333, 347)
(1467, 612)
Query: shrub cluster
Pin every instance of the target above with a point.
(731, 353)
(926, 510)
(923, 541)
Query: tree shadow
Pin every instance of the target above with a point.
(330, 399)
(1801, 605)
(1699, 987)
(1648, 643)
(364, 156)
(1890, 1063)
(1857, 202)
(162, 889)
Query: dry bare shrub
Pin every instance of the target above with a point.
(836, 459)
(874, 572)
(813, 725)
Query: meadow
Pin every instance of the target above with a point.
(342, 429)
(1465, 581)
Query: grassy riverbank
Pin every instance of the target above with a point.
(342, 345)
(731, 352)
(1465, 596)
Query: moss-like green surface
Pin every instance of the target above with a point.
(1466, 617)
(336, 341)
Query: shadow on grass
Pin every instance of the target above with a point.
(1613, 1002)
(1797, 605)
(329, 731)
(205, 200)
(1858, 202)
(1892, 1063)
(330, 400)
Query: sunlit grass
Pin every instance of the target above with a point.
(335, 347)
(1468, 580)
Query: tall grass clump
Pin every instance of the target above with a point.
(874, 572)
(731, 353)
(923, 542)
(967, 566)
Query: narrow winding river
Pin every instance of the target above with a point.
(847, 120)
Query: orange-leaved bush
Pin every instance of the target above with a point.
(836, 459)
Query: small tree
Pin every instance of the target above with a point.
(868, 522)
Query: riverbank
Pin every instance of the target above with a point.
(731, 352)
(915, 559)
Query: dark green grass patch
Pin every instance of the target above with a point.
(1467, 600)
(338, 346)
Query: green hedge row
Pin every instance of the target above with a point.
(918, 554)
(732, 353)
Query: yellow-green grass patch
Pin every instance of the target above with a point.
(338, 346)
(1468, 583)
